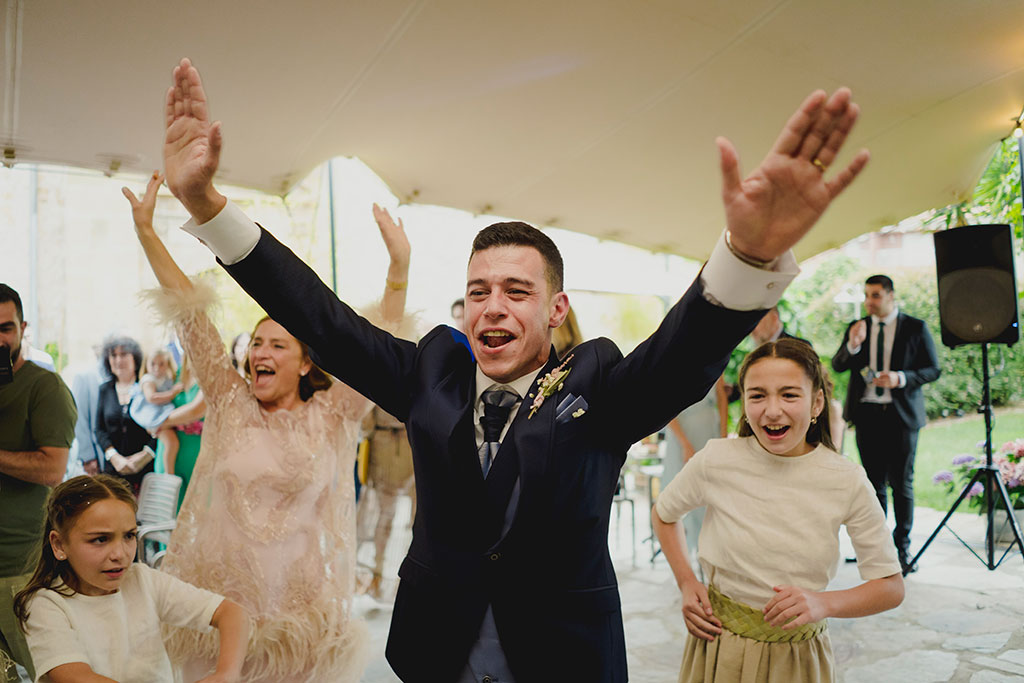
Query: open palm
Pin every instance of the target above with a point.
(771, 209)
(393, 235)
(192, 144)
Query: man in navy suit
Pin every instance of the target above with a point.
(891, 355)
(517, 455)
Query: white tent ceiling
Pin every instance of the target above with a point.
(594, 116)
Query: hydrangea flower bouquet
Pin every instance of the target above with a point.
(1009, 460)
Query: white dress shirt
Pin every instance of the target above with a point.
(728, 281)
(890, 337)
(522, 386)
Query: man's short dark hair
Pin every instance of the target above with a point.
(883, 280)
(8, 293)
(458, 302)
(110, 344)
(517, 234)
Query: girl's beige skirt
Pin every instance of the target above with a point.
(751, 651)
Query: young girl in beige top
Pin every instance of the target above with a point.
(775, 499)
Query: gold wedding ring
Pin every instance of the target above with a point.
(821, 166)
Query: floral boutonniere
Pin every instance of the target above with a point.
(549, 384)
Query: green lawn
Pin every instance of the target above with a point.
(940, 440)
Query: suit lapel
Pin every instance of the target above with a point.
(530, 439)
(899, 345)
(451, 420)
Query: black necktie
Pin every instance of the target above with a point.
(497, 406)
(880, 355)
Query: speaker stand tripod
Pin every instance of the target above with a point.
(992, 480)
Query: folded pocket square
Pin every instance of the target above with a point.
(565, 403)
(575, 408)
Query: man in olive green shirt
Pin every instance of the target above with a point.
(37, 425)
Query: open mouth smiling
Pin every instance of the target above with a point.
(495, 338)
(263, 372)
(775, 431)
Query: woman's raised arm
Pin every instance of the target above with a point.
(167, 272)
(181, 301)
(397, 282)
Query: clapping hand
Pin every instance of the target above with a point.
(779, 202)
(887, 379)
(393, 235)
(792, 607)
(858, 333)
(133, 464)
(120, 463)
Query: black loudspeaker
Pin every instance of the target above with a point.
(977, 285)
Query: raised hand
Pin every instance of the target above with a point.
(778, 203)
(142, 209)
(393, 235)
(792, 607)
(192, 145)
(700, 620)
(858, 333)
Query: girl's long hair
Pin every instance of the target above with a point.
(66, 502)
(801, 353)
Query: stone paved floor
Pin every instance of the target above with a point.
(959, 621)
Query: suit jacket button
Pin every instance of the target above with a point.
(487, 679)
(495, 556)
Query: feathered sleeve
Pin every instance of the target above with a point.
(347, 401)
(188, 312)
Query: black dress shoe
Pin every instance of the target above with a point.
(906, 565)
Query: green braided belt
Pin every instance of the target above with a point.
(744, 620)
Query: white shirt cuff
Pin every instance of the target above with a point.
(903, 379)
(852, 350)
(230, 235)
(739, 286)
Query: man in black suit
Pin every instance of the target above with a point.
(516, 454)
(890, 356)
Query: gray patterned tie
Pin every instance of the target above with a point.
(497, 406)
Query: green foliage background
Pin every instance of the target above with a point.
(809, 310)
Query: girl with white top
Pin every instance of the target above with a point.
(92, 616)
(775, 499)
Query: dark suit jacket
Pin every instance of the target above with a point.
(913, 352)
(550, 578)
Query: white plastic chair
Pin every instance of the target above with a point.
(158, 507)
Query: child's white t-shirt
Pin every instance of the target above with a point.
(118, 635)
